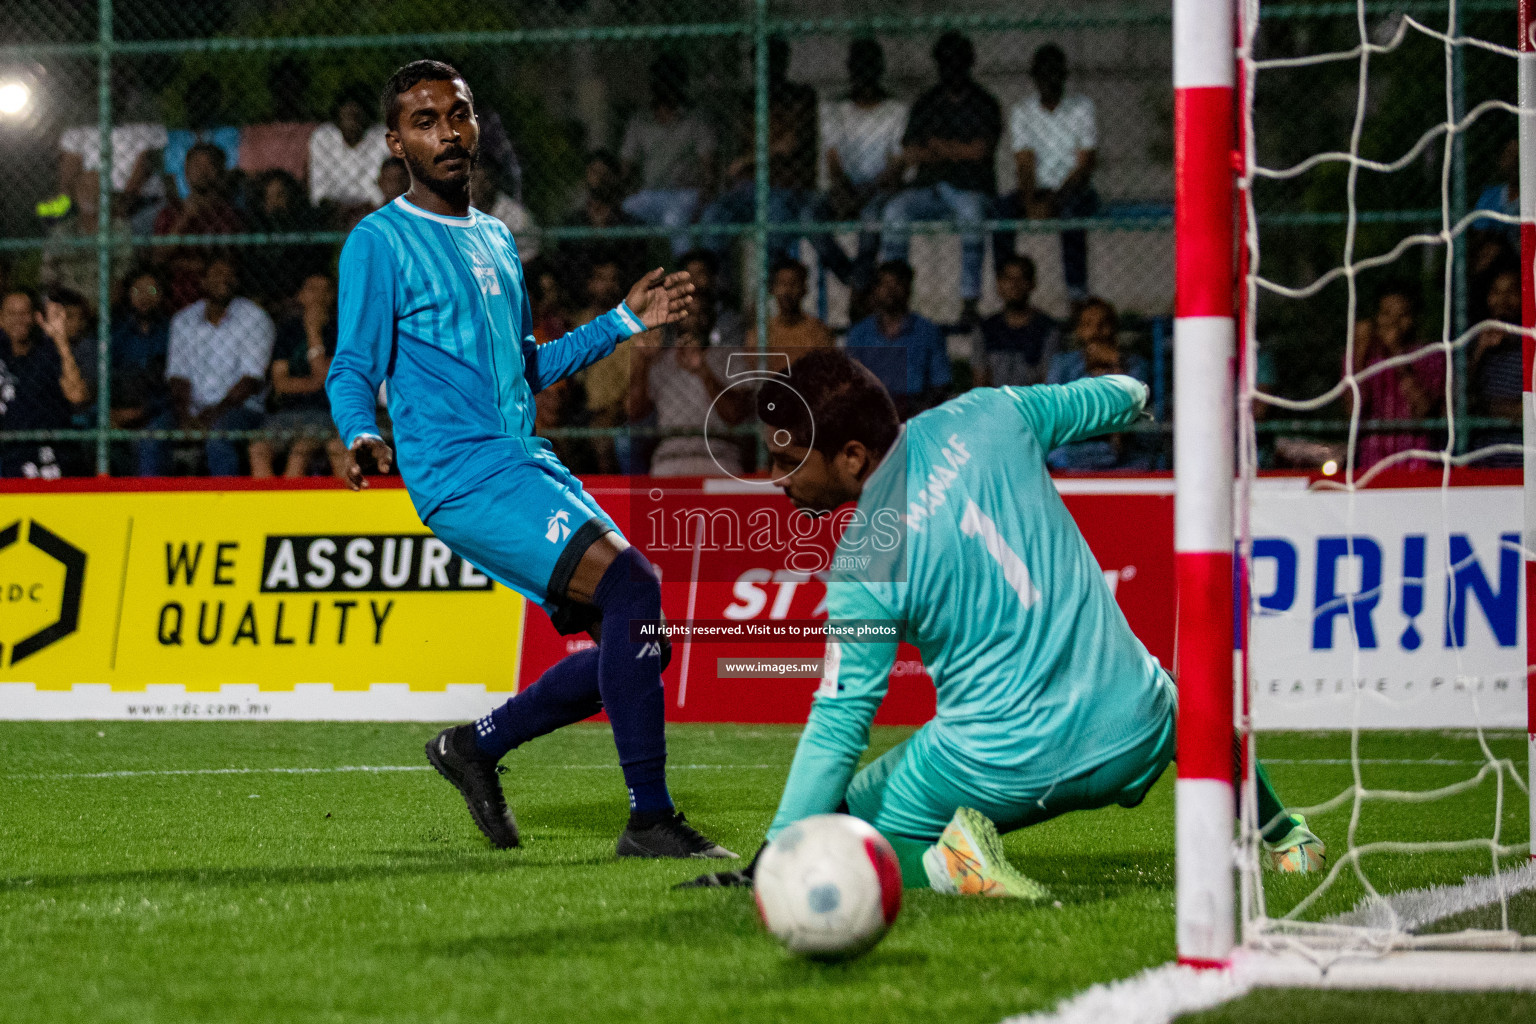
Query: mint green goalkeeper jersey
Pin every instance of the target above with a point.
(1039, 676)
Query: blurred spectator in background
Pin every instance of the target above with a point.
(394, 180)
(902, 348)
(861, 146)
(136, 148)
(1096, 352)
(547, 300)
(203, 107)
(1501, 196)
(141, 333)
(602, 388)
(217, 361)
(66, 263)
(600, 208)
(80, 335)
(790, 331)
(302, 352)
(703, 267)
(951, 139)
(485, 194)
(344, 158)
(1055, 149)
(40, 386)
(791, 161)
(281, 144)
(496, 145)
(1019, 342)
(671, 151)
(684, 385)
(1494, 368)
(562, 404)
(278, 206)
(206, 210)
(1411, 391)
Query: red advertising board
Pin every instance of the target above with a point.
(726, 554)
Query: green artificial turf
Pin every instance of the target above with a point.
(257, 895)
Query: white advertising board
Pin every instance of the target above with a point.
(1395, 608)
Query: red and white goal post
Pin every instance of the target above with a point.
(1209, 163)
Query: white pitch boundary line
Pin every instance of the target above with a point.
(1155, 996)
(1160, 995)
(380, 768)
(1417, 907)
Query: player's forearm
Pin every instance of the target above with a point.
(829, 751)
(353, 402)
(581, 347)
(1062, 413)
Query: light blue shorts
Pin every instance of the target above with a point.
(913, 789)
(526, 526)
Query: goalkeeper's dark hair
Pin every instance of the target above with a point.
(842, 400)
(407, 78)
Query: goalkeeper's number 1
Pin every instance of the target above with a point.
(976, 523)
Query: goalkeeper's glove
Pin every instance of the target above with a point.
(726, 879)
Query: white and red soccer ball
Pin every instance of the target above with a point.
(828, 887)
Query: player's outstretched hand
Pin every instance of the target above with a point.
(377, 449)
(745, 878)
(660, 298)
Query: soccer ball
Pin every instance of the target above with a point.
(828, 887)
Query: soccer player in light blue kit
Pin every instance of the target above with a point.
(433, 301)
(1047, 702)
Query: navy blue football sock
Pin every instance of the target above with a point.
(567, 692)
(629, 679)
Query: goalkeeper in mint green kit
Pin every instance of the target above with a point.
(1047, 702)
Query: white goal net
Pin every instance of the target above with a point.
(1382, 348)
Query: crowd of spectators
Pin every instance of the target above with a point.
(211, 336)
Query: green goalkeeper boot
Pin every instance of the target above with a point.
(968, 860)
(1299, 853)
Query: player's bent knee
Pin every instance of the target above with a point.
(630, 584)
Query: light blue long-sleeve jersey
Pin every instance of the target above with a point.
(438, 307)
(1039, 676)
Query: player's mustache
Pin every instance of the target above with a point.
(454, 153)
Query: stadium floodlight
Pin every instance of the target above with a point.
(15, 98)
(1218, 246)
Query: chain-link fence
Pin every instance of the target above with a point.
(180, 177)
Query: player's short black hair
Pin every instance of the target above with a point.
(1404, 289)
(842, 400)
(218, 156)
(607, 158)
(1048, 59)
(69, 298)
(899, 269)
(407, 78)
(708, 257)
(952, 49)
(788, 263)
(1094, 302)
(1019, 260)
(866, 58)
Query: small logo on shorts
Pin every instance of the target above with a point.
(650, 650)
(558, 528)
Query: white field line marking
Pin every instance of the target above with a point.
(1414, 908)
(1160, 995)
(362, 768)
(1155, 996)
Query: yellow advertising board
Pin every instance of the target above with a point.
(243, 603)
